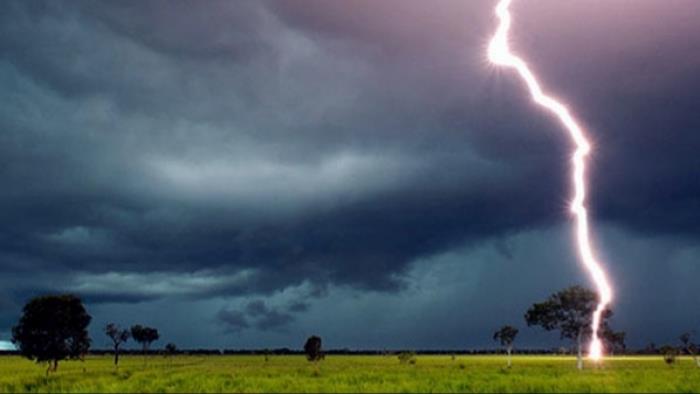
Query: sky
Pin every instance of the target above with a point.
(245, 174)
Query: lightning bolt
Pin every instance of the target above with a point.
(499, 54)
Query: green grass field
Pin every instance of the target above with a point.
(350, 374)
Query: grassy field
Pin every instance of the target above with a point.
(350, 374)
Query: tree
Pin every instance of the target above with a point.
(506, 336)
(312, 348)
(145, 336)
(118, 337)
(669, 353)
(52, 328)
(170, 349)
(651, 348)
(685, 339)
(690, 347)
(614, 341)
(170, 352)
(570, 311)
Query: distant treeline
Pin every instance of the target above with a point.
(54, 328)
(349, 352)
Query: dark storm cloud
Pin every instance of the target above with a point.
(176, 28)
(299, 307)
(233, 320)
(137, 196)
(635, 92)
(159, 150)
(256, 314)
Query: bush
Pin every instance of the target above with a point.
(407, 357)
(669, 353)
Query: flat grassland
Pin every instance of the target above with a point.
(350, 374)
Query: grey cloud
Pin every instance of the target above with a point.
(256, 308)
(219, 30)
(256, 314)
(274, 320)
(298, 306)
(233, 320)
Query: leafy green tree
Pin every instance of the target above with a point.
(53, 328)
(118, 337)
(570, 311)
(506, 336)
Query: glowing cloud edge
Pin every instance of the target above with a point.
(499, 54)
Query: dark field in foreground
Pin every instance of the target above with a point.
(350, 374)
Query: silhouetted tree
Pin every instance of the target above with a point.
(145, 336)
(53, 328)
(312, 348)
(614, 341)
(570, 311)
(506, 336)
(690, 347)
(170, 349)
(685, 339)
(669, 353)
(651, 348)
(118, 337)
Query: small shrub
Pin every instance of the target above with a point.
(670, 358)
(171, 349)
(669, 353)
(407, 357)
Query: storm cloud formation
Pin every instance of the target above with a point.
(265, 158)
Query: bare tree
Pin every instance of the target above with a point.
(118, 337)
(690, 347)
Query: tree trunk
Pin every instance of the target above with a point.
(116, 356)
(55, 365)
(579, 356)
(510, 349)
